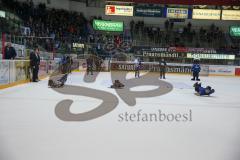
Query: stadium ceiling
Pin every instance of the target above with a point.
(84, 1)
(185, 2)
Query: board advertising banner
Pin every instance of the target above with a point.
(222, 70)
(237, 71)
(4, 72)
(153, 67)
(43, 68)
(21, 70)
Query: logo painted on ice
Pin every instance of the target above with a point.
(109, 100)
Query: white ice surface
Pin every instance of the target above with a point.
(29, 129)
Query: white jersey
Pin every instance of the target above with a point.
(136, 62)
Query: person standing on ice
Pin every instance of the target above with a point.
(90, 65)
(163, 67)
(196, 68)
(63, 64)
(34, 64)
(137, 64)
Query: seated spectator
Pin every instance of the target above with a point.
(10, 52)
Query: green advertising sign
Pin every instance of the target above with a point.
(108, 26)
(235, 31)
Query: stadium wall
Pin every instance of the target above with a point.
(94, 11)
(58, 4)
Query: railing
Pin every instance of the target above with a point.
(12, 71)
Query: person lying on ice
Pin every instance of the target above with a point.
(57, 81)
(117, 85)
(201, 91)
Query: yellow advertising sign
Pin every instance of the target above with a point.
(230, 14)
(206, 14)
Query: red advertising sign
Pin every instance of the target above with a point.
(116, 10)
(237, 71)
(110, 9)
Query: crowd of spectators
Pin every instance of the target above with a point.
(158, 34)
(210, 35)
(171, 34)
(54, 28)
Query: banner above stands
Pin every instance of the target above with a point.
(182, 52)
(172, 13)
(113, 26)
(230, 14)
(119, 10)
(177, 13)
(206, 14)
(148, 11)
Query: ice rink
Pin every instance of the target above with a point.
(30, 129)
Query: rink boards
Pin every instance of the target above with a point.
(18, 70)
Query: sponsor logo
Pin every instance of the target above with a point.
(108, 25)
(119, 10)
(181, 13)
(210, 56)
(206, 14)
(230, 15)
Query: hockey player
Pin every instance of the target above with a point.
(90, 65)
(201, 91)
(57, 81)
(162, 66)
(137, 65)
(196, 70)
(117, 85)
